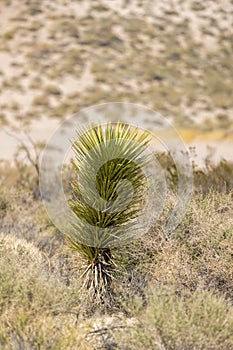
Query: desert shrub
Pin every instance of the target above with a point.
(215, 177)
(4, 202)
(53, 90)
(36, 309)
(41, 100)
(199, 252)
(195, 321)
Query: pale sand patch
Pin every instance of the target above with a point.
(72, 85)
(40, 131)
(217, 150)
(217, 142)
(8, 12)
(216, 145)
(5, 64)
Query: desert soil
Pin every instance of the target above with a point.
(175, 57)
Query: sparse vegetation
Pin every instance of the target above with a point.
(179, 70)
(200, 320)
(53, 90)
(177, 293)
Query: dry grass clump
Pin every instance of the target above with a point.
(20, 246)
(216, 177)
(8, 35)
(35, 309)
(4, 202)
(67, 26)
(169, 321)
(26, 218)
(53, 90)
(182, 287)
(200, 252)
(41, 100)
(213, 177)
(197, 255)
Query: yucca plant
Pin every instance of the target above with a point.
(108, 196)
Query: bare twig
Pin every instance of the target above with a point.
(33, 159)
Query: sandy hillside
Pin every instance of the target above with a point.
(59, 57)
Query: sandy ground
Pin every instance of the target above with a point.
(217, 146)
(174, 57)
